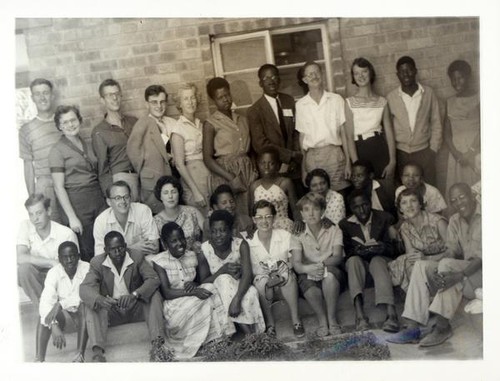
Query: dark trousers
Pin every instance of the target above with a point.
(426, 158)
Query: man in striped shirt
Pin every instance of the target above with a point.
(35, 141)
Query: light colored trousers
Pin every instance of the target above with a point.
(418, 303)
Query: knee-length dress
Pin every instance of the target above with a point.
(227, 286)
(231, 146)
(463, 114)
(279, 199)
(190, 322)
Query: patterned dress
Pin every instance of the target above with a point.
(227, 286)
(190, 321)
(335, 207)
(279, 199)
(187, 220)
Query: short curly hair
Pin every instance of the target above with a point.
(64, 109)
(164, 180)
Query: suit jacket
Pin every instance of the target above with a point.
(265, 129)
(379, 231)
(99, 281)
(147, 152)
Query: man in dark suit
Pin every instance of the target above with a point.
(120, 288)
(367, 244)
(272, 123)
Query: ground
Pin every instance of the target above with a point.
(130, 342)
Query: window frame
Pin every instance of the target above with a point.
(267, 34)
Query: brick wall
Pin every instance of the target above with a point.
(77, 54)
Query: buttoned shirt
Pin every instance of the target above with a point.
(464, 238)
(192, 135)
(140, 226)
(36, 138)
(46, 248)
(110, 145)
(119, 286)
(412, 103)
(320, 123)
(335, 207)
(316, 250)
(79, 167)
(60, 288)
(232, 135)
(279, 250)
(365, 228)
(178, 270)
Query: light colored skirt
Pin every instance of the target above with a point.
(192, 322)
(251, 313)
(200, 174)
(330, 158)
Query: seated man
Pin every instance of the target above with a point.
(457, 275)
(119, 289)
(132, 219)
(60, 302)
(37, 244)
(317, 255)
(362, 178)
(367, 244)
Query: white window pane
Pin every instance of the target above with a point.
(298, 47)
(243, 54)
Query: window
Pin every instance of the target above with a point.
(238, 58)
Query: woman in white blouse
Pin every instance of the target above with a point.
(186, 143)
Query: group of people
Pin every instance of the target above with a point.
(199, 227)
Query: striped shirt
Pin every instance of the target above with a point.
(178, 270)
(36, 138)
(367, 114)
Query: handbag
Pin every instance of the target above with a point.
(278, 276)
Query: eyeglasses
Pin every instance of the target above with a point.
(120, 198)
(157, 103)
(113, 95)
(267, 217)
(270, 77)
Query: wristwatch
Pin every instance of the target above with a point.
(136, 294)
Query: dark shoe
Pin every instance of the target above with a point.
(98, 357)
(298, 330)
(271, 331)
(391, 325)
(362, 325)
(436, 337)
(406, 336)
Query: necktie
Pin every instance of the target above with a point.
(282, 120)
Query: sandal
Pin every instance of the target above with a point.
(390, 325)
(362, 325)
(298, 330)
(78, 358)
(271, 331)
(335, 330)
(322, 331)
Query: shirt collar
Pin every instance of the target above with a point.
(130, 217)
(270, 99)
(126, 262)
(420, 90)
(326, 95)
(79, 269)
(355, 220)
(51, 119)
(183, 119)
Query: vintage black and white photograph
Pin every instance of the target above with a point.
(248, 189)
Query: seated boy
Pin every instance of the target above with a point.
(60, 302)
(362, 178)
(412, 177)
(223, 199)
(317, 254)
(367, 244)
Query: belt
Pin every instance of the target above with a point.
(367, 135)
